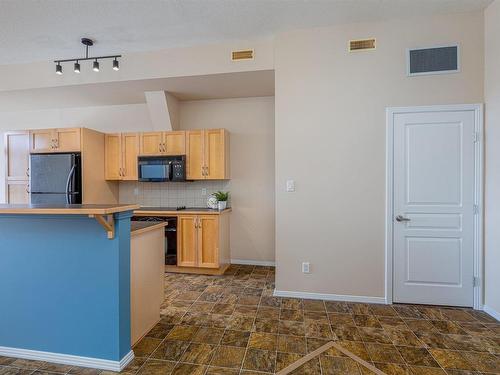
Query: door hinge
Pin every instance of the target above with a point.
(476, 281)
(475, 137)
(476, 209)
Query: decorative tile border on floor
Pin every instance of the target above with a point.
(323, 349)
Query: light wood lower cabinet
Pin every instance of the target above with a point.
(203, 240)
(17, 192)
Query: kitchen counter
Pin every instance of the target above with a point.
(65, 283)
(67, 209)
(172, 211)
(139, 227)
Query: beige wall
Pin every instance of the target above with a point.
(492, 193)
(251, 123)
(330, 138)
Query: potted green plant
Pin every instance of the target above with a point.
(222, 197)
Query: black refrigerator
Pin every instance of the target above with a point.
(56, 178)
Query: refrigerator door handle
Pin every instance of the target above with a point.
(68, 183)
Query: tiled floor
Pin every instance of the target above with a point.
(232, 325)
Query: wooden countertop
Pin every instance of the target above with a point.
(156, 211)
(66, 209)
(139, 227)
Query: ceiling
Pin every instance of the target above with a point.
(48, 29)
(214, 86)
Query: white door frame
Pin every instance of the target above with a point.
(478, 193)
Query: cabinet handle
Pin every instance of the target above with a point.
(164, 147)
(206, 171)
(123, 172)
(27, 189)
(28, 171)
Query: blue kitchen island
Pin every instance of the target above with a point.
(65, 284)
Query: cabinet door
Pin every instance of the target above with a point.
(187, 241)
(68, 140)
(215, 162)
(42, 140)
(17, 151)
(208, 241)
(151, 143)
(194, 156)
(130, 148)
(175, 143)
(113, 157)
(18, 192)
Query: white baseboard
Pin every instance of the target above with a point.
(68, 359)
(488, 310)
(329, 297)
(253, 262)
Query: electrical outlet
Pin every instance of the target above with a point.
(136, 191)
(204, 191)
(305, 267)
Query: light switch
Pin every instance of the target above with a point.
(290, 186)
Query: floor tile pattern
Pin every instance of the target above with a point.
(231, 324)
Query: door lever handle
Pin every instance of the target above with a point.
(400, 218)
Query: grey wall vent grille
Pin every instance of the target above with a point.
(433, 60)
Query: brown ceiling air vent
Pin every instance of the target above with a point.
(362, 45)
(246, 54)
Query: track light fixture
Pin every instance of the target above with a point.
(95, 66)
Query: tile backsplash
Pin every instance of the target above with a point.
(170, 194)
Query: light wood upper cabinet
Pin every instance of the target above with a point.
(42, 140)
(130, 152)
(207, 154)
(113, 156)
(68, 140)
(174, 143)
(163, 143)
(151, 143)
(187, 239)
(121, 151)
(55, 140)
(17, 155)
(208, 241)
(195, 155)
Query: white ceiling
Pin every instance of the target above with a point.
(36, 30)
(214, 86)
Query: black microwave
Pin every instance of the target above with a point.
(162, 168)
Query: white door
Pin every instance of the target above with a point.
(433, 218)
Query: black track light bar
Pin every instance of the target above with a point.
(87, 43)
(88, 58)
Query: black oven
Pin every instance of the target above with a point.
(162, 168)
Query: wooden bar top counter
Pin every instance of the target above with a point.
(66, 209)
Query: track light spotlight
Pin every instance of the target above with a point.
(58, 69)
(77, 67)
(116, 64)
(95, 66)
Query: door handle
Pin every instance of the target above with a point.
(400, 218)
